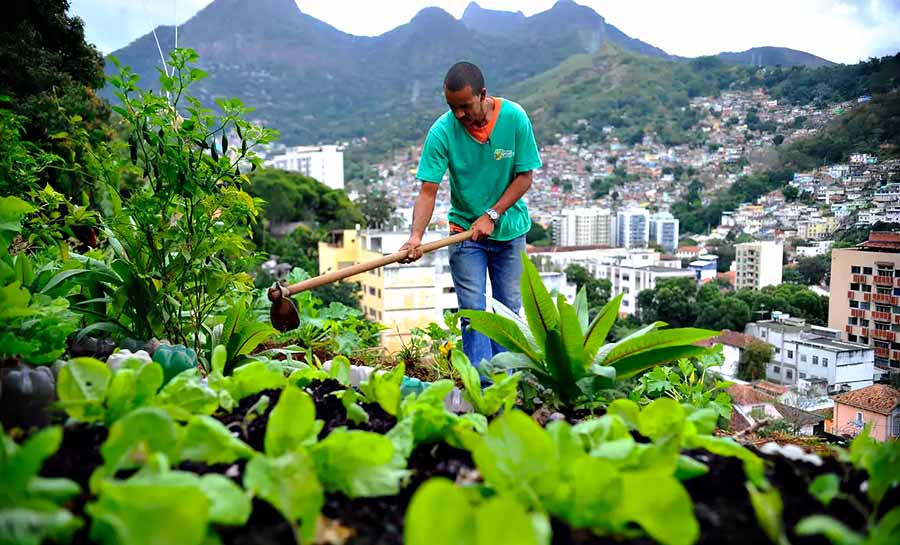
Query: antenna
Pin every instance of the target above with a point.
(175, 20)
(156, 38)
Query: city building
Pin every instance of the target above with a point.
(733, 345)
(324, 163)
(758, 264)
(705, 268)
(664, 231)
(582, 227)
(802, 352)
(865, 296)
(877, 405)
(632, 228)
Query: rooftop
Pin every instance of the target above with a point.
(833, 345)
(882, 241)
(878, 398)
(729, 338)
(746, 394)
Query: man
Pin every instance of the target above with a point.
(488, 146)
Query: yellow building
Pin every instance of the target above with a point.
(398, 296)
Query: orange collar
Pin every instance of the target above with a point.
(482, 134)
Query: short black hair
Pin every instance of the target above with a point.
(464, 74)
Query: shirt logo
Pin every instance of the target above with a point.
(500, 154)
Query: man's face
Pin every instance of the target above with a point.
(468, 106)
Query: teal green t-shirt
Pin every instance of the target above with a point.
(480, 173)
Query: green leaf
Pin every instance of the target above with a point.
(135, 436)
(229, 504)
(254, 377)
(82, 386)
(768, 507)
(542, 316)
(187, 395)
(132, 388)
(20, 464)
(383, 387)
(501, 519)
(57, 490)
(627, 410)
(290, 485)
(662, 417)
(501, 330)
(142, 512)
(34, 525)
(207, 440)
(292, 423)
(825, 487)
(833, 529)
(596, 333)
(596, 490)
(340, 370)
(630, 366)
(660, 505)
(653, 340)
(726, 446)
(572, 338)
(581, 309)
(439, 514)
(886, 530)
(358, 463)
(517, 457)
(688, 468)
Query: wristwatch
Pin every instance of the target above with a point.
(491, 213)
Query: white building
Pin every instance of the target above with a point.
(582, 227)
(733, 345)
(758, 264)
(664, 231)
(324, 163)
(632, 228)
(806, 353)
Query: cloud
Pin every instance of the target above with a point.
(839, 30)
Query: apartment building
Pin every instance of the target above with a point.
(583, 227)
(324, 163)
(632, 228)
(758, 264)
(802, 352)
(664, 231)
(865, 296)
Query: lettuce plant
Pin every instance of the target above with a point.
(501, 394)
(569, 355)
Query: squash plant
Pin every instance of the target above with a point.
(569, 355)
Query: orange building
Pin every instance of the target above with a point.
(878, 405)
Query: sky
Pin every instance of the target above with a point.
(845, 31)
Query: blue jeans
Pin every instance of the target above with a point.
(470, 264)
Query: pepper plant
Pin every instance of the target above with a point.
(569, 355)
(184, 230)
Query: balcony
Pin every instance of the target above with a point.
(881, 316)
(895, 355)
(864, 332)
(885, 298)
(857, 313)
(860, 279)
(897, 318)
(848, 329)
(897, 282)
(850, 294)
(884, 335)
(883, 281)
(882, 353)
(867, 297)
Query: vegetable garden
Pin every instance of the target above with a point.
(146, 400)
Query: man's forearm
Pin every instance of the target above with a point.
(422, 213)
(518, 187)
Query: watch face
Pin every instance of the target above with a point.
(493, 214)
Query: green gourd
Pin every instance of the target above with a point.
(174, 359)
(25, 393)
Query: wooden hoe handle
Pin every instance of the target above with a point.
(353, 270)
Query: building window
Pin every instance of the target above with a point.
(815, 360)
(379, 292)
(803, 358)
(450, 289)
(854, 286)
(883, 290)
(864, 340)
(776, 370)
(866, 288)
(854, 304)
(762, 333)
(853, 321)
(777, 350)
(867, 270)
(789, 374)
(790, 354)
(859, 418)
(852, 338)
(864, 322)
(802, 375)
(824, 362)
(855, 269)
(865, 305)
(896, 427)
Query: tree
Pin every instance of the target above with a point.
(537, 235)
(50, 73)
(293, 197)
(814, 269)
(752, 365)
(724, 250)
(790, 193)
(377, 208)
(724, 313)
(597, 290)
(778, 139)
(671, 301)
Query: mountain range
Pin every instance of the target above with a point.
(315, 83)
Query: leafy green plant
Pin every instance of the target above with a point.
(31, 507)
(241, 333)
(183, 231)
(687, 382)
(383, 387)
(501, 394)
(880, 461)
(566, 353)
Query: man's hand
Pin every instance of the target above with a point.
(415, 252)
(482, 228)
